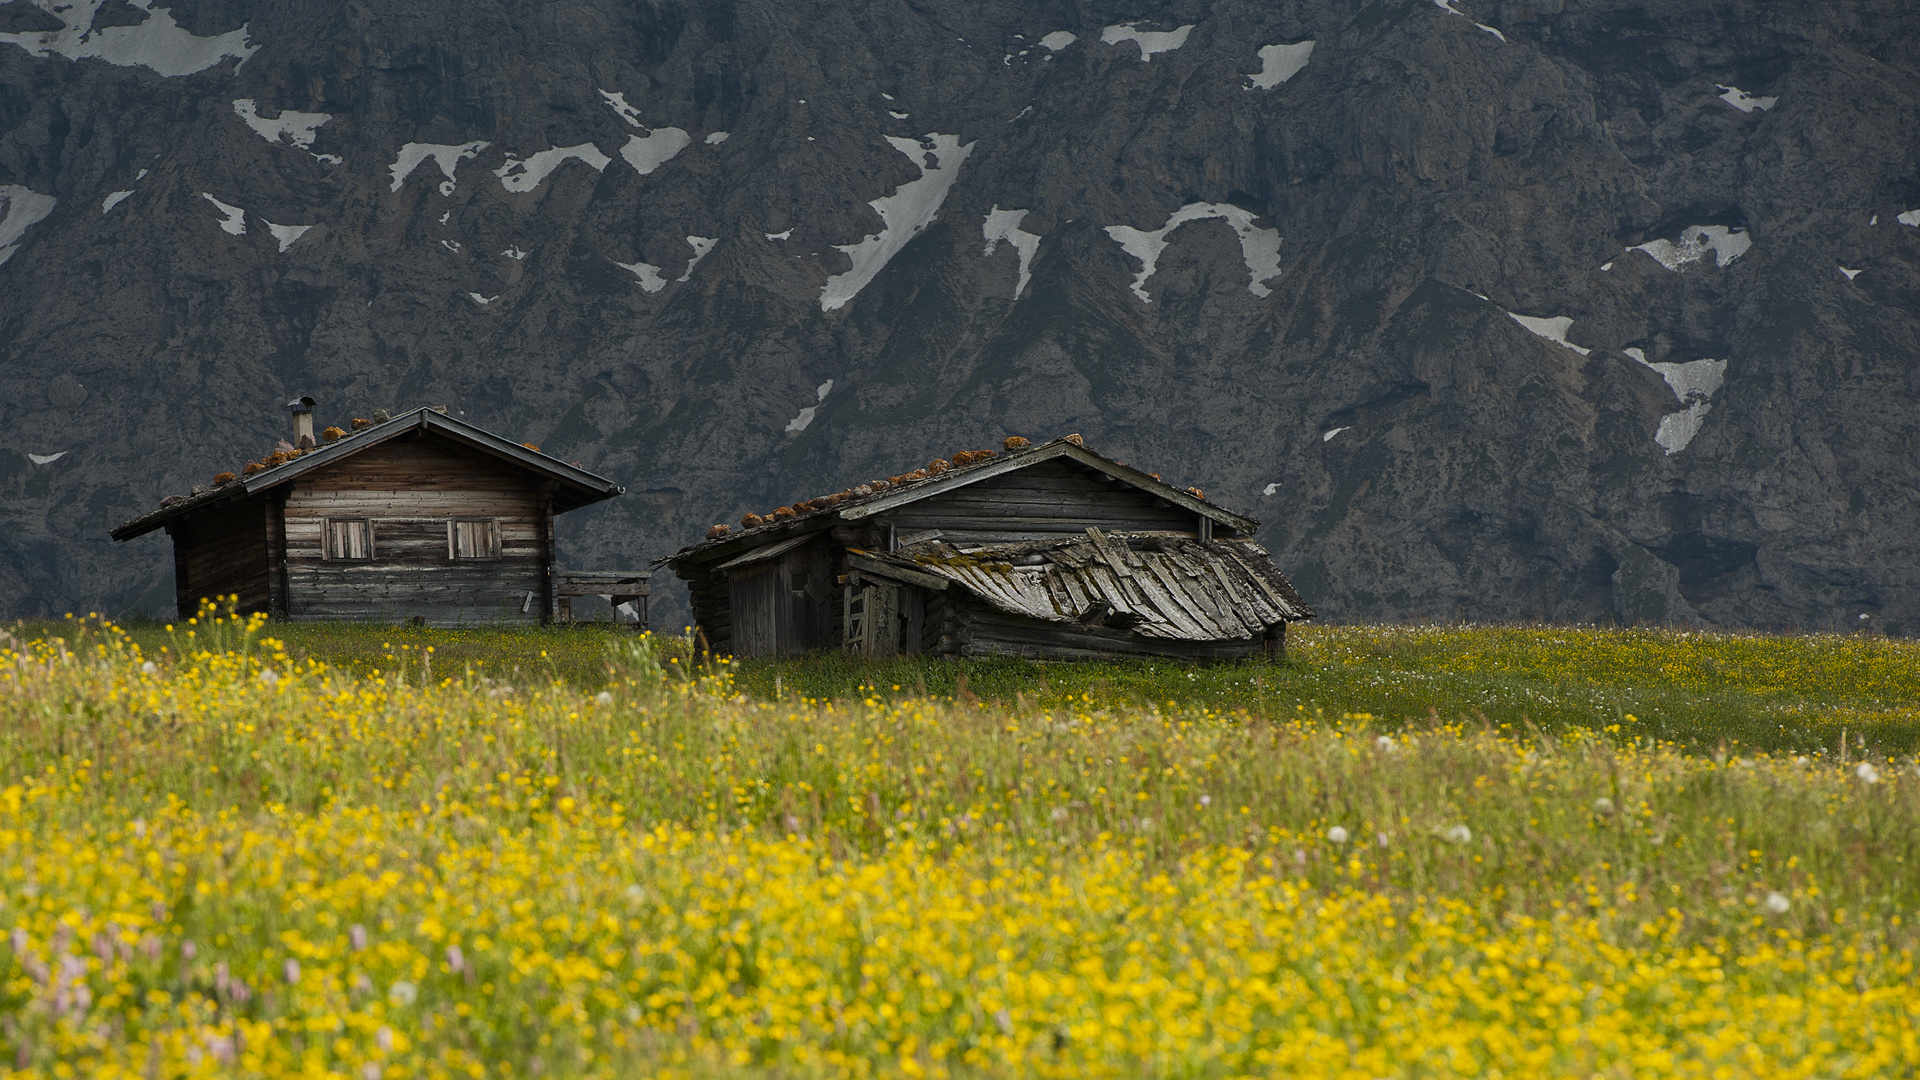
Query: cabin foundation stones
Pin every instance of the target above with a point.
(412, 517)
(1049, 552)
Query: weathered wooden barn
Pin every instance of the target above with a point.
(1045, 552)
(418, 516)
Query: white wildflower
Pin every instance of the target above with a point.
(1206, 801)
(149, 668)
(1058, 815)
(1777, 904)
(1867, 773)
(604, 698)
(403, 993)
(1603, 806)
(269, 678)
(1459, 834)
(1380, 838)
(1337, 834)
(1385, 744)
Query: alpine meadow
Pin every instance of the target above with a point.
(1423, 852)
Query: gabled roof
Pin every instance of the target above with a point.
(856, 507)
(1175, 588)
(573, 487)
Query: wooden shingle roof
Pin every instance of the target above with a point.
(1156, 585)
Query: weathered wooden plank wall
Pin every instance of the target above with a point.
(782, 606)
(1048, 499)
(975, 629)
(221, 552)
(409, 491)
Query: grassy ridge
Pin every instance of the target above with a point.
(229, 858)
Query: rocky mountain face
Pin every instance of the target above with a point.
(1531, 309)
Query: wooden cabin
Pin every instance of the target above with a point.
(418, 516)
(1047, 552)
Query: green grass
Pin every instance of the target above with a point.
(1781, 693)
(1762, 692)
(575, 654)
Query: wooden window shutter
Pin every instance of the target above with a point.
(348, 539)
(474, 538)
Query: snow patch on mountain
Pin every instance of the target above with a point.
(910, 209)
(1693, 383)
(1911, 217)
(24, 208)
(1259, 247)
(1150, 41)
(46, 459)
(113, 199)
(1695, 241)
(1054, 42)
(1745, 102)
(522, 176)
(1553, 329)
(799, 423)
(648, 152)
(235, 219)
(1278, 63)
(286, 234)
(1447, 6)
(1005, 225)
(156, 42)
(446, 155)
(618, 103)
(700, 245)
(715, 138)
(298, 128)
(646, 275)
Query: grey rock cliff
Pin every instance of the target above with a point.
(1519, 310)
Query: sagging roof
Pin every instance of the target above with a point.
(882, 496)
(1156, 585)
(574, 487)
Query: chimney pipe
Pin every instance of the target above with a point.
(302, 421)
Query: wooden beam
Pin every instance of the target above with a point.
(858, 560)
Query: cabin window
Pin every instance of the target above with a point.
(349, 539)
(473, 538)
(797, 581)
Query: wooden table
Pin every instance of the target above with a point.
(619, 586)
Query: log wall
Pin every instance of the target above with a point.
(409, 490)
(220, 552)
(1046, 500)
(784, 605)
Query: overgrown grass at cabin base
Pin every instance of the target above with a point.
(239, 860)
(1749, 691)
